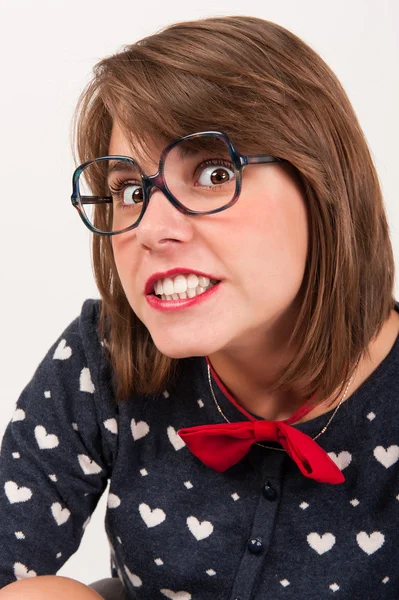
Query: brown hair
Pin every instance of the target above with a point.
(272, 93)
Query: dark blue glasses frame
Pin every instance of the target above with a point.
(157, 181)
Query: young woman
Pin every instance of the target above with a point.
(237, 382)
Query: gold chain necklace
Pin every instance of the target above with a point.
(324, 429)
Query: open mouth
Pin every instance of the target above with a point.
(189, 293)
(183, 287)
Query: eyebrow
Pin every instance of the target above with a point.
(188, 151)
(185, 151)
(121, 165)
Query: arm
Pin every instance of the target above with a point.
(54, 463)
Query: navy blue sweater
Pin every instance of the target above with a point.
(178, 529)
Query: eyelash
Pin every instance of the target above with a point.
(120, 184)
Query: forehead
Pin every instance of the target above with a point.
(125, 143)
(147, 152)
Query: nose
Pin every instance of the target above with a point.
(162, 222)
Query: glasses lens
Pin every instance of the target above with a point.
(111, 194)
(200, 174)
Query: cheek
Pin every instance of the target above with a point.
(123, 256)
(117, 249)
(268, 241)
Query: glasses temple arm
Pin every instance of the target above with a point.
(96, 200)
(260, 159)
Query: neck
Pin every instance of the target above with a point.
(248, 375)
(249, 384)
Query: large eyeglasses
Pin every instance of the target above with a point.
(200, 174)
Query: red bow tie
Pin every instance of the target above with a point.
(223, 445)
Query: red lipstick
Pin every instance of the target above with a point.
(171, 305)
(149, 286)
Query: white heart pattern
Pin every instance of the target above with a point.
(62, 352)
(111, 425)
(86, 384)
(139, 429)
(88, 465)
(45, 440)
(370, 543)
(19, 415)
(113, 501)
(176, 595)
(61, 515)
(342, 460)
(22, 572)
(200, 530)
(175, 438)
(321, 543)
(16, 494)
(151, 518)
(388, 456)
(135, 579)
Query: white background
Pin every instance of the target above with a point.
(47, 50)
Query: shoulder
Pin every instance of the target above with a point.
(87, 322)
(78, 376)
(82, 334)
(78, 357)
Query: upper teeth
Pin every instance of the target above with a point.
(179, 284)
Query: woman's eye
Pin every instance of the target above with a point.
(215, 175)
(132, 194)
(126, 193)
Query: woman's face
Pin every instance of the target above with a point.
(257, 248)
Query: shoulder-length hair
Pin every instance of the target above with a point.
(271, 93)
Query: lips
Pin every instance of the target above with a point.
(149, 286)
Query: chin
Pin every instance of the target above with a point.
(179, 352)
(183, 349)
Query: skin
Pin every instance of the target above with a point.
(48, 587)
(258, 248)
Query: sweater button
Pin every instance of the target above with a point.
(255, 545)
(269, 492)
